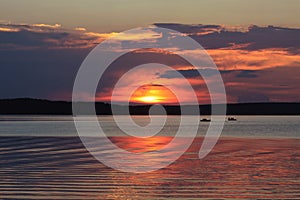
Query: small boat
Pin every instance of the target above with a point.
(231, 119)
(205, 120)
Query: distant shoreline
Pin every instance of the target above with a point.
(27, 106)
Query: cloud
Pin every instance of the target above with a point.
(8, 29)
(199, 29)
(279, 83)
(252, 97)
(256, 64)
(255, 38)
(40, 60)
(231, 59)
(80, 29)
(55, 26)
(247, 74)
(188, 73)
(196, 73)
(26, 36)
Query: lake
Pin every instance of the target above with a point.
(42, 157)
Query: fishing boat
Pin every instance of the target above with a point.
(205, 120)
(231, 119)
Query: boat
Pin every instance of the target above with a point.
(205, 120)
(231, 119)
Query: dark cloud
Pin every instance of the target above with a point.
(188, 73)
(255, 38)
(39, 73)
(40, 61)
(32, 39)
(43, 36)
(252, 97)
(194, 73)
(278, 83)
(246, 74)
(191, 29)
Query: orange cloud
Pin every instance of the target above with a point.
(7, 29)
(80, 29)
(47, 25)
(235, 59)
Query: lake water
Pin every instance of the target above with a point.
(245, 126)
(42, 157)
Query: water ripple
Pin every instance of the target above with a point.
(61, 168)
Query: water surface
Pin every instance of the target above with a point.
(256, 157)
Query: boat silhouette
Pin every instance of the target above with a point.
(205, 120)
(231, 119)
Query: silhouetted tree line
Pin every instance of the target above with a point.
(46, 107)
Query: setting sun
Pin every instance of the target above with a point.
(149, 99)
(152, 94)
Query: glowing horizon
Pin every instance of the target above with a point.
(153, 94)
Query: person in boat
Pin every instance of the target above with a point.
(205, 120)
(231, 119)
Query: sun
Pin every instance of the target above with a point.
(149, 99)
(153, 94)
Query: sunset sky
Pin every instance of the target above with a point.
(255, 45)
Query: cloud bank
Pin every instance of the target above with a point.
(258, 64)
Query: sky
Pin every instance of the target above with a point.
(119, 15)
(255, 45)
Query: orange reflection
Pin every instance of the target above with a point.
(152, 94)
(141, 145)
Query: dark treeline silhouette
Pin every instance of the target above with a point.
(45, 107)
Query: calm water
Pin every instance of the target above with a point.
(257, 157)
(246, 126)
